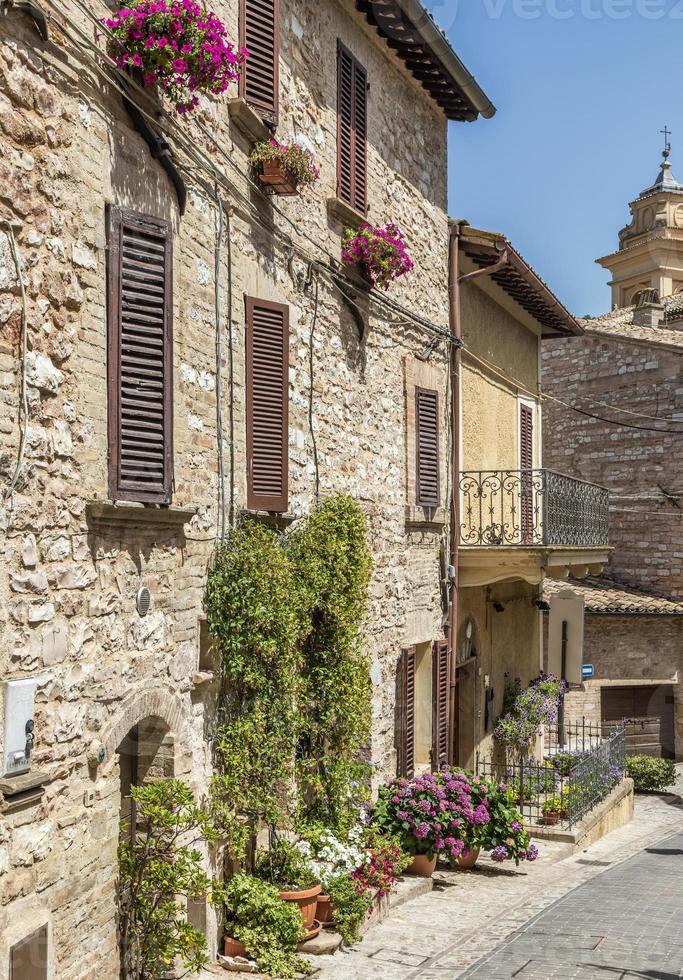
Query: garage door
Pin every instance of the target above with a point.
(649, 716)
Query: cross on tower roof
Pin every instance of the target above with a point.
(666, 132)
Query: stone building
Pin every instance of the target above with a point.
(618, 423)
(143, 273)
(519, 522)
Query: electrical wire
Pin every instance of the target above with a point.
(23, 420)
(626, 411)
(311, 364)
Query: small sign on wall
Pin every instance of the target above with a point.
(587, 671)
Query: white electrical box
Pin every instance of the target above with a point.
(18, 743)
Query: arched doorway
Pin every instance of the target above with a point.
(145, 754)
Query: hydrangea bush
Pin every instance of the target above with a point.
(179, 46)
(380, 253)
(297, 161)
(526, 711)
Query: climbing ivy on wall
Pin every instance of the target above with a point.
(295, 707)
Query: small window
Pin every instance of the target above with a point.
(352, 120)
(28, 958)
(260, 35)
(140, 373)
(267, 405)
(427, 447)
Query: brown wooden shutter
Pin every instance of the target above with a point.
(441, 698)
(526, 462)
(427, 447)
(140, 409)
(406, 714)
(260, 35)
(267, 405)
(352, 122)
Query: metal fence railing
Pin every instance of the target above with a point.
(582, 763)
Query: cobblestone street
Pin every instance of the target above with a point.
(615, 910)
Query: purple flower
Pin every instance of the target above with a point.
(532, 853)
(499, 853)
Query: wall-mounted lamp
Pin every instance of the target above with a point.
(542, 605)
(499, 607)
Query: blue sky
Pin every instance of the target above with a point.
(581, 102)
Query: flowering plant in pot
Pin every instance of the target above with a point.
(379, 253)
(177, 46)
(504, 834)
(417, 811)
(284, 167)
(259, 924)
(467, 798)
(526, 711)
(331, 857)
(385, 861)
(552, 809)
(286, 867)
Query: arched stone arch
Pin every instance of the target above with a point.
(156, 701)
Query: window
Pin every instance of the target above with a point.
(427, 448)
(267, 405)
(352, 110)
(260, 34)
(423, 729)
(28, 958)
(526, 464)
(140, 382)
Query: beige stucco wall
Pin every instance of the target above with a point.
(490, 416)
(67, 584)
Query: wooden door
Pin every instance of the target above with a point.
(648, 713)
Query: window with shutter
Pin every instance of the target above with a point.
(352, 116)
(441, 695)
(427, 447)
(526, 452)
(140, 409)
(406, 714)
(267, 405)
(260, 34)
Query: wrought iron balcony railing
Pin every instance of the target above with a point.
(528, 508)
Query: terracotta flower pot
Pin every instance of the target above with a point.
(307, 901)
(551, 819)
(468, 859)
(324, 910)
(277, 179)
(233, 947)
(422, 866)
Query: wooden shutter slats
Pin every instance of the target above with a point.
(259, 79)
(267, 405)
(351, 130)
(140, 393)
(406, 714)
(441, 699)
(427, 447)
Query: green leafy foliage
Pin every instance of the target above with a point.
(334, 566)
(285, 866)
(351, 903)
(269, 928)
(158, 866)
(296, 160)
(650, 774)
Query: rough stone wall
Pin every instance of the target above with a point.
(639, 467)
(645, 649)
(67, 581)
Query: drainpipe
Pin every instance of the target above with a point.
(454, 283)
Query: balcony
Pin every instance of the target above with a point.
(531, 509)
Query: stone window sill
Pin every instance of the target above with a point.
(343, 212)
(269, 517)
(249, 123)
(108, 512)
(436, 517)
(22, 791)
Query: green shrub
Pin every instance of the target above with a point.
(285, 865)
(351, 906)
(269, 928)
(650, 774)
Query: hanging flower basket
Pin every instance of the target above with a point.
(180, 48)
(282, 168)
(380, 254)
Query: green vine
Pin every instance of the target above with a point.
(295, 704)
(334, 565)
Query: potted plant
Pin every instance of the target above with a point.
(412, 810)
(284, 167)
(330, 857)
(503, 834)
(380, 254)
(179, 48)
(286, 867)
(467, 801)
(385, 862)
(260, 925)
(552, 810)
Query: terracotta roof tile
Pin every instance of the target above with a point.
(619, 324)
(603, 595)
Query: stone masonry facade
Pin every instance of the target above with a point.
(72, 564)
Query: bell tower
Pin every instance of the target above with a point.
(650, 255)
